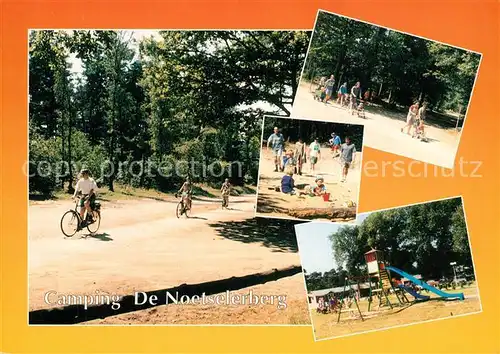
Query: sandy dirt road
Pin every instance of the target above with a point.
(272, 203)
(142, 246)
(383, 132)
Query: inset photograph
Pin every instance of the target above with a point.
(309, 170)
(411, 93)
(396, 267)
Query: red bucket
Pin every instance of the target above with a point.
(326, 197)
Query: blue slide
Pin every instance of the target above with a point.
(424, 285)
(414, 293)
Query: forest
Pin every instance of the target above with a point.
(420, 239)
(308, 130)
(396, 69)
(149, 112)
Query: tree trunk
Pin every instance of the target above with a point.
(141, 182)
(70, 123)
(327, 213)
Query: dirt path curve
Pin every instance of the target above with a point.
(142, 246)
(269, 201)
(383, 133)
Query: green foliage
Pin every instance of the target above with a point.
(147, 114)
(293, 129)
(422, 238)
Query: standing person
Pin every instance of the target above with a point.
(225, 191)
(410, 118)
(314, 153)
(355, 93)
(276, 142)
(335, 142)
(86, 186)
(342, 93)
(300, 155)
(347, 151)
(330, 83)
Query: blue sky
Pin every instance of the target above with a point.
(315, 246)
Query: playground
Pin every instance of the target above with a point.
(143, 246)
(390, 301)
(391, 269)
(326, 326)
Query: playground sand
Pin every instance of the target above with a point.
(326, 326)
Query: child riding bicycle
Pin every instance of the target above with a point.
(186, 191)
(85, 189)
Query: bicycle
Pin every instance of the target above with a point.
(182, 208)
(72, 216)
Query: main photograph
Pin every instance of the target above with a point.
(143, 164)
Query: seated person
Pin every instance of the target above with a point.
(288, 184)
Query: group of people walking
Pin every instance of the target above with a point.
(345, 97)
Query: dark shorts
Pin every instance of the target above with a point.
(347, 164)
(92, 201)
(314, 159)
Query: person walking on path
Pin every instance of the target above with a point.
(410, 118)
(330, 83)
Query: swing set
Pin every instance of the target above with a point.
(377, 274)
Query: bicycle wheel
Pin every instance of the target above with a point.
(180, 209)
(94, 226)
(187, 212)
(69, 223)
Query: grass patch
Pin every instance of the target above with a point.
(126, 192)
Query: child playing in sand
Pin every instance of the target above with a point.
(288, 184)
(317, 189)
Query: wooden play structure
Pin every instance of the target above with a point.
(380, 287)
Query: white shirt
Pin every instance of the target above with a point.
(314, 149)
(85, 185)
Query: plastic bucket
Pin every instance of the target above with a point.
(326, 197)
